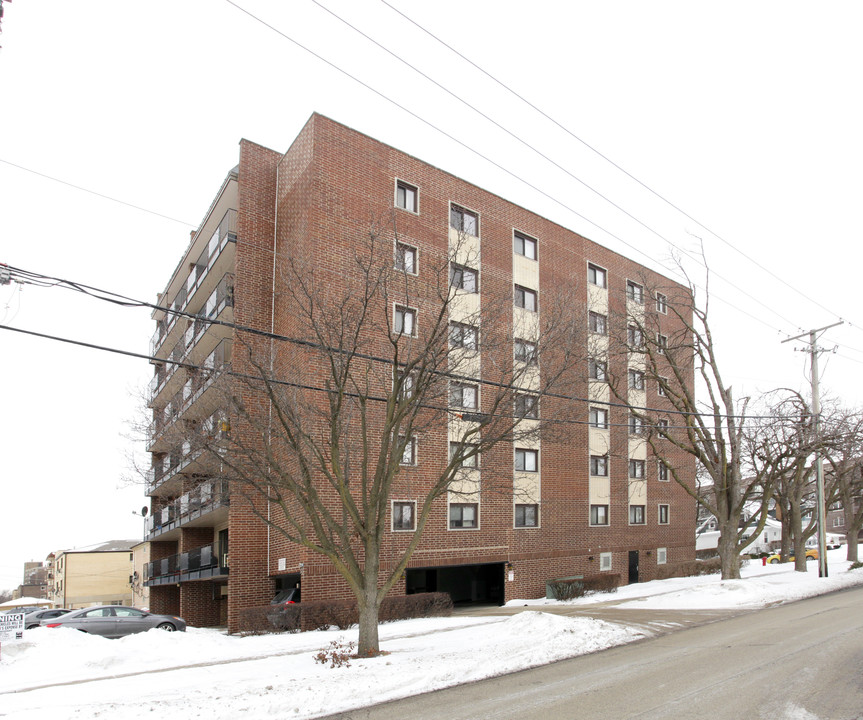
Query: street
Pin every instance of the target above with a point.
(800, 661)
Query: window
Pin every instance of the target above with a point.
(409, 456)
(838, 521)
(526, 460)
(406, 258)
(634, 292)
(406, 390)
(662, 424)
(661, 384)
(463, 278)
(406, 196)
(596, 275)
(463, 336)
(636, 380)
(636, 469)
(524, 245)
(598, 417)
(634, 336)
(598, 323)
(661, 556)
(527, 406)
(636, 425)
(661, 304)
(463, 396)
(661, 343)
(663, 514)
(405, 321)
(527, 515)
(525, 351)
(636, 514)
(463, 515)
(599, 514)
(463, 220)
(597, 369)
(599, 465)
(662, 472)
(604, 561)
(525, 298)
(404, 515)
(471, 461)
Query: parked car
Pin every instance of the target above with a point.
(34, 619)
(279, 614)
(811, 554)
(115, 621)
(286, 597)
(20, 609)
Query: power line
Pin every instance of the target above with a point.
(487, 159)
(97, 194)
(609, 160)
(459, 98)
(128, 302)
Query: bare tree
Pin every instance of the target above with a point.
(780, 445)
(712, 430)
(844, 454)
(320, 427)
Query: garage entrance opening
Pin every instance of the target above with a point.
(466, 584)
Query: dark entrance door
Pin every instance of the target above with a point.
(466, 584)
(633, 566)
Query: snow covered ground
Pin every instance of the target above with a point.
(59, 674)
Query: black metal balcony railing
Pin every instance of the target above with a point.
(215, 364)
(222, 297)
(224, 234)
(197, 564)
(206, 498)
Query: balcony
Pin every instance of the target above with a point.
(195, 338)
(212, 264)
(195, 508)
(198, 564)
(198, 383)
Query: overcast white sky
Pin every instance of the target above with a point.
(745, 115)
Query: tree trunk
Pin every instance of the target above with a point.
(729, 555)
(799, 539)
(851, 554)
(368, 644)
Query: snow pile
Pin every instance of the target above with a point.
(60, 673)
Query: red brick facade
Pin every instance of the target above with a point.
(313, 205)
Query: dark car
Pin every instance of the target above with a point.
(20, 610)
(34, 619)
(281, 614)
(286, 597)
(115, 621)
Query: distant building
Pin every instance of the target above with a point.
(140, 558)
(96, 575)
(35, 581)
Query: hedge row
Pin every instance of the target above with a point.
(342, 614)
(688, 569)
(571, 589)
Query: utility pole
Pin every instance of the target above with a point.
(819, 465)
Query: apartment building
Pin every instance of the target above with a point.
(586, 499)
(94, 575)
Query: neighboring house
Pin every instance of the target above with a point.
(96, 575)
(140, 558)
(836, 520)
(597, 502)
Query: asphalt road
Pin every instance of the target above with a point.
(801, 661)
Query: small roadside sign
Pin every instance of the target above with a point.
(11, 627)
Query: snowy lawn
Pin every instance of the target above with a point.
(205, 673)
